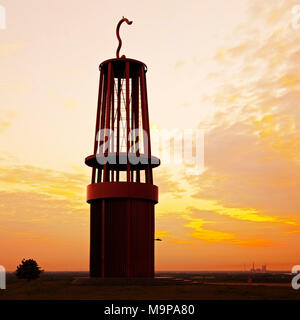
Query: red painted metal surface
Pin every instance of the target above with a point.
(130, 190)
(121, 194)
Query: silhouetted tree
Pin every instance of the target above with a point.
(28, 269)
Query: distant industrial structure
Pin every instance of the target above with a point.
(258, 270)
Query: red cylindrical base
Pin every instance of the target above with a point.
(122, 238)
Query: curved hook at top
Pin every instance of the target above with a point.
(118, 36)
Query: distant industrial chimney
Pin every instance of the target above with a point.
(122, 194)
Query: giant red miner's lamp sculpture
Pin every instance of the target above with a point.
(121, 194)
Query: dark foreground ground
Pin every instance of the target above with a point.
(169, 286)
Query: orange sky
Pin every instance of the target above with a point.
(228, 67)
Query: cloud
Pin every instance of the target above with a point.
(5, 119)
(57, 184)
(252, 143)
(4, 125)
(201, 232)
(40, 211)
(168, 183)
(252, 151)
(169, 238)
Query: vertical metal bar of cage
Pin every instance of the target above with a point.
(96, 142)
(146, 129)
(135, 119)
(127, 119)
(118, 125)
(112, 128)
(107, 116)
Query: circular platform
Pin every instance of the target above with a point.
(127, 190)
(119, 161)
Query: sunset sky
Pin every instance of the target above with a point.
(230, 68)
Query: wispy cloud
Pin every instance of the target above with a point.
(6, 117)
(202, 231)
